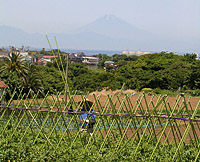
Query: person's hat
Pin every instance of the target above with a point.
(86, 103)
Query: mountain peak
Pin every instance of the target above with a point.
(114, 27)
(110, 17)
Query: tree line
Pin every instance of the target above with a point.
(157, 71)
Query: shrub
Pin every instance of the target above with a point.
(146, 90)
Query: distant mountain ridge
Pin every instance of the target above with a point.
(10, 36)
(112, 26)
(105, 33)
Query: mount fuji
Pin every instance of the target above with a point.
(112, 26)
(105, 33)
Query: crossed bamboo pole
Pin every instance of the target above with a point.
(135, 116)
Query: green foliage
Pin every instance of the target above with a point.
(161, 70)
(146, 90)
(15, 65)
(143, 134)
(49, 53)
(76, 69)
(17, 73)
(159, 91)
(120, 60)
(16, 150)
(93, 81)
(51, 79)
(164, 71)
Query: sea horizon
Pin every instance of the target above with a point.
(91, 52)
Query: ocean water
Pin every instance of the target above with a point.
(109, 53)
(92, 52)
(95, 52)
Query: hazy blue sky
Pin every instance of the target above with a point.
(168, 17)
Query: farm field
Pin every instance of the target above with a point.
(103, 96)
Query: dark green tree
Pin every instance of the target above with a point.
(15, 64)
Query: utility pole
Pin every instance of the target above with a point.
(66, 83)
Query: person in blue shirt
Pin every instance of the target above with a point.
(87, 120)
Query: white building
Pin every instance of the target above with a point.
(136, 53)
(24, 54)
(90, 60)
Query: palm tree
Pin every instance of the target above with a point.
(15, 64)
(33, 79)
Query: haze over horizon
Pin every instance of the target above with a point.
(168, 19)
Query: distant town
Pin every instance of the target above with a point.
(42, 57)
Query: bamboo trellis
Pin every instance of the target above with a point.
(120, 121)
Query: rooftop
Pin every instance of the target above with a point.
(3, 85)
